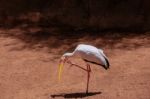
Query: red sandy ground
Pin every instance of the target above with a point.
(32, 74)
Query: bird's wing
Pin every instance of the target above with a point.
(106, 59)
(102, 52)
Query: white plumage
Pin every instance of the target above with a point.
(89, 54)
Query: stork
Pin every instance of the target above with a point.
(89, 54)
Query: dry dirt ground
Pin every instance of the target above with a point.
(32, 74)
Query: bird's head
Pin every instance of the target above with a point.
(62, 61)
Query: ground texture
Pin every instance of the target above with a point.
(27, 73)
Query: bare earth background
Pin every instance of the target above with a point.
(31, 72)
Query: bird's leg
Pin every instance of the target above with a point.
(72, 64)
(69, 62)
(89, 68)
(88, 76)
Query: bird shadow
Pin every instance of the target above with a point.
(75, 95)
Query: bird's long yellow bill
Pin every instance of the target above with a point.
(60, 70)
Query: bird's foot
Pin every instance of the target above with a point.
(69, 62)
(70, 65)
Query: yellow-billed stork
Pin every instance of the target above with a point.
(89, 54)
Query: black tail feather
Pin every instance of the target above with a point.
(98, 63)
(107, 63)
